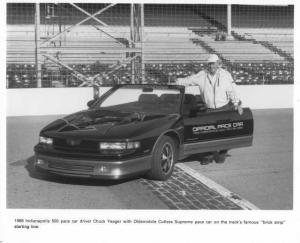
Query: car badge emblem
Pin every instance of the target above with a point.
(73, 142)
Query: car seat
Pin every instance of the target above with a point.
(169, 98)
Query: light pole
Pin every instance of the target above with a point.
(229, 36)
(38, 67)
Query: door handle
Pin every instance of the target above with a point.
(224, 121)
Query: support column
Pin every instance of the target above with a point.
(142, 44)
(229, 20)
(38, 66)
(59, 22)
(132, 42)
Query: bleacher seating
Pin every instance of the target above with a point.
(82, 45)
(241, 51)
(282, 38)
(243, 73)
(87, 45)
(178, 40)
(263, 73)
(20, 76)
(269, 26)
(20, 44)
(171, 45)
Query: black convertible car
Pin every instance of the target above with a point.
(138, 129)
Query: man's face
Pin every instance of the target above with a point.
(212, 67)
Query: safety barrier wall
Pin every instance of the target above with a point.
(51, 101)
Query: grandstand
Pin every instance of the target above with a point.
(171, 45)
(176, 42)
(86, 45)
(280, 38)
(234, 50)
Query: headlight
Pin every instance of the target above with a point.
(119, 146)
(45, 140)
(133, 145)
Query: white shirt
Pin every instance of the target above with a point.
(216, 90)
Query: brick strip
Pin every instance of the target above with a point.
(238, 200)
(187, 190)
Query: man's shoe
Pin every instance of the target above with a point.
(206, 160)
(220, 157)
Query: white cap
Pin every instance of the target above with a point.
(212, 58)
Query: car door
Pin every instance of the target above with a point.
(215, 130)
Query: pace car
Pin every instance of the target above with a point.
(138, 129)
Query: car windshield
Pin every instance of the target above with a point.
(163, 100)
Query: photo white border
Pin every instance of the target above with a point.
(160, 232)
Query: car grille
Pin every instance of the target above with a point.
(82, 146)
(70, 166)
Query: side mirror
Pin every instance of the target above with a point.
(90, 103)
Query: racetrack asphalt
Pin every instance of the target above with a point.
(262, 174)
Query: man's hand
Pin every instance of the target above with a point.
(239, 109)
(178, 81)
(183, 82)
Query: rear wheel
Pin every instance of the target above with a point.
(164, 157)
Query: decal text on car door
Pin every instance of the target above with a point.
(218, 127)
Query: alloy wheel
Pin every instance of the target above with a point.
(167, 158)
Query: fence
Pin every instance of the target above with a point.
(69, 45)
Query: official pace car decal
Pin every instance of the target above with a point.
(230, 126)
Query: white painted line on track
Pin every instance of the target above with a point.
(243, 203)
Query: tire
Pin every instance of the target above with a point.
(165, 155)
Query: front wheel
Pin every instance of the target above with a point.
(164, 157)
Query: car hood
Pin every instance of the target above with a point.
(106, 124)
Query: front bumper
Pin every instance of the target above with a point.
(92, 168)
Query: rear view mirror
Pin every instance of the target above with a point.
(147, 89)
(90, 103)
(96, 92)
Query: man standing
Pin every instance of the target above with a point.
(216, 85)
(218, 91)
